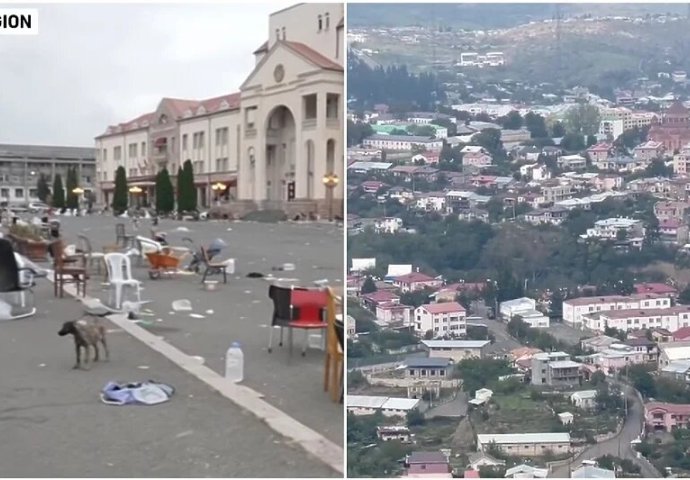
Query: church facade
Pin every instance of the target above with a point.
(673, 130)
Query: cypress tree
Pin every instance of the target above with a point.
(121, 194)
(188, 195)
(165, 195)
(42, 188)
(179, 189)
(58, 192)
(72, 198)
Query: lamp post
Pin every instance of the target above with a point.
(330, 181)
(219, 188)
(136, 191)
(78, 191)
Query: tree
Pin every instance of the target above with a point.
(356, 132)
(573, 142)
(512, 121)
(121, 193)
(556, 304)
(180, 188)
(58, 192)
(165, 195)
(536, 125)
(187, 202)
(368, 286)
(684, 296)
(557, 130)
(490, 139)
(415, 418)
(591, 140)
(582, 119)
(42, 188)
(72, 198)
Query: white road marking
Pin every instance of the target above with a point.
(250, 400)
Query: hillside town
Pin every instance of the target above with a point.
(518, 288)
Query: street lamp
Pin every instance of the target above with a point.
(219, 188)
(78, 191)
(135, 190)
(330, 181)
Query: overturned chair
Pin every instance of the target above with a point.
(16, 282)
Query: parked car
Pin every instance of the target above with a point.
(38, 207)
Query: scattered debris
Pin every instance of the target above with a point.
(248, 292)
(255, 275)
(286, 267)
(209, 312)
(196, 315)
(41, 365)
(146, 393)
(199, 359)
(183, 305)
(182, 229)
(143, 367)
(229, 229)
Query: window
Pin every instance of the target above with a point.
(250, 117)
(18, 193)
(143, 149)
(283, 32)
(132, 150)
(117, 154)
(4, 193)
(310, 106)
(277, 34)
(184, 142)
(328, 20)
(105, 155)
(320, 23)
(222, 135)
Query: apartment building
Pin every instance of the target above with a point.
(666, 417)
(617, 229)
(681, 161)
(403, 143)
(22, 165)
(575, 309)
(648, 151)
(456, 350)
(554, 369)
(557, 193)
(441, 318)
(271, 144)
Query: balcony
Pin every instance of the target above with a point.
(309, 124)
(333, 123)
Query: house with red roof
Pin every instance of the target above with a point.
(682, 334)
(427, 465)
(599, 152)
(415, 281)
(656, 288)
(448, 319)
(661, 416)
(379, 297)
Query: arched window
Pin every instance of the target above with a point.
(320, 23)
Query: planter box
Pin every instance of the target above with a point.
(36, 250)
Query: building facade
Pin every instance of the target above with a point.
(574, 309)
(441, 318)
(673, 130)
(22, 165)
(526, 444)
(271, 145)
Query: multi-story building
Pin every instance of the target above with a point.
(676, 210)
(681, 161)
(441, 318)
(576, 308)
(648, 151)
(659, 416)
(272, 144)
(456, 350)
(394, 314)
(673, 130)
(388, 406)
(557, 193)
(403, 142)
(572, 162)
(555, 369)
(427, 368)
(414, 281)
(525, 444)
(614, 228)
(22, 165)
(599, 152)
(388, 225)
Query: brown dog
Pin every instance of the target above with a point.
(87, 333)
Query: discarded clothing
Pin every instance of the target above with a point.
(139, 393)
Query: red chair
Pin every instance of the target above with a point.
(308, 313)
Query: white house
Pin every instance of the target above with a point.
(575, 308)
(388, 406)
(526, 308)
(584, 399)
(388, 225)
(456, 350)
(610, 229)
(566, 418)
(526, 444)
(441, 318)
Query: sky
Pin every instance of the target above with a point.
(92, 66)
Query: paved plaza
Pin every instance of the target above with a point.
(199, 432)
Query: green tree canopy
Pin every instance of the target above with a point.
(187, 196)
(368, 286)
(72, 183)
(582, 119)
(121, 193)
(42, 188)
(165, 194)
(58, 192)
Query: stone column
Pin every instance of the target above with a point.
(259, 193)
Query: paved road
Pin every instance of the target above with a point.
(620, 445)
(457, 407)
(241, 309)
(54, 425)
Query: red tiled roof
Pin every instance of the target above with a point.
(380, 296)
(658, 288)
(600, 147)
(682, 333)
(471, 474)
(447, 307)
(672, 408)
(313, 56)
(677, 108)
(413, 277)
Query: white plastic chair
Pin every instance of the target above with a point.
(119, 276)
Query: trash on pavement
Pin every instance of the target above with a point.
(196, 315)
(209, 312)
(136, 393)
(182, 305)
(182, 229)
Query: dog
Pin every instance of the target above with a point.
(87, 333)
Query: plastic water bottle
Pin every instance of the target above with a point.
(234, 363)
